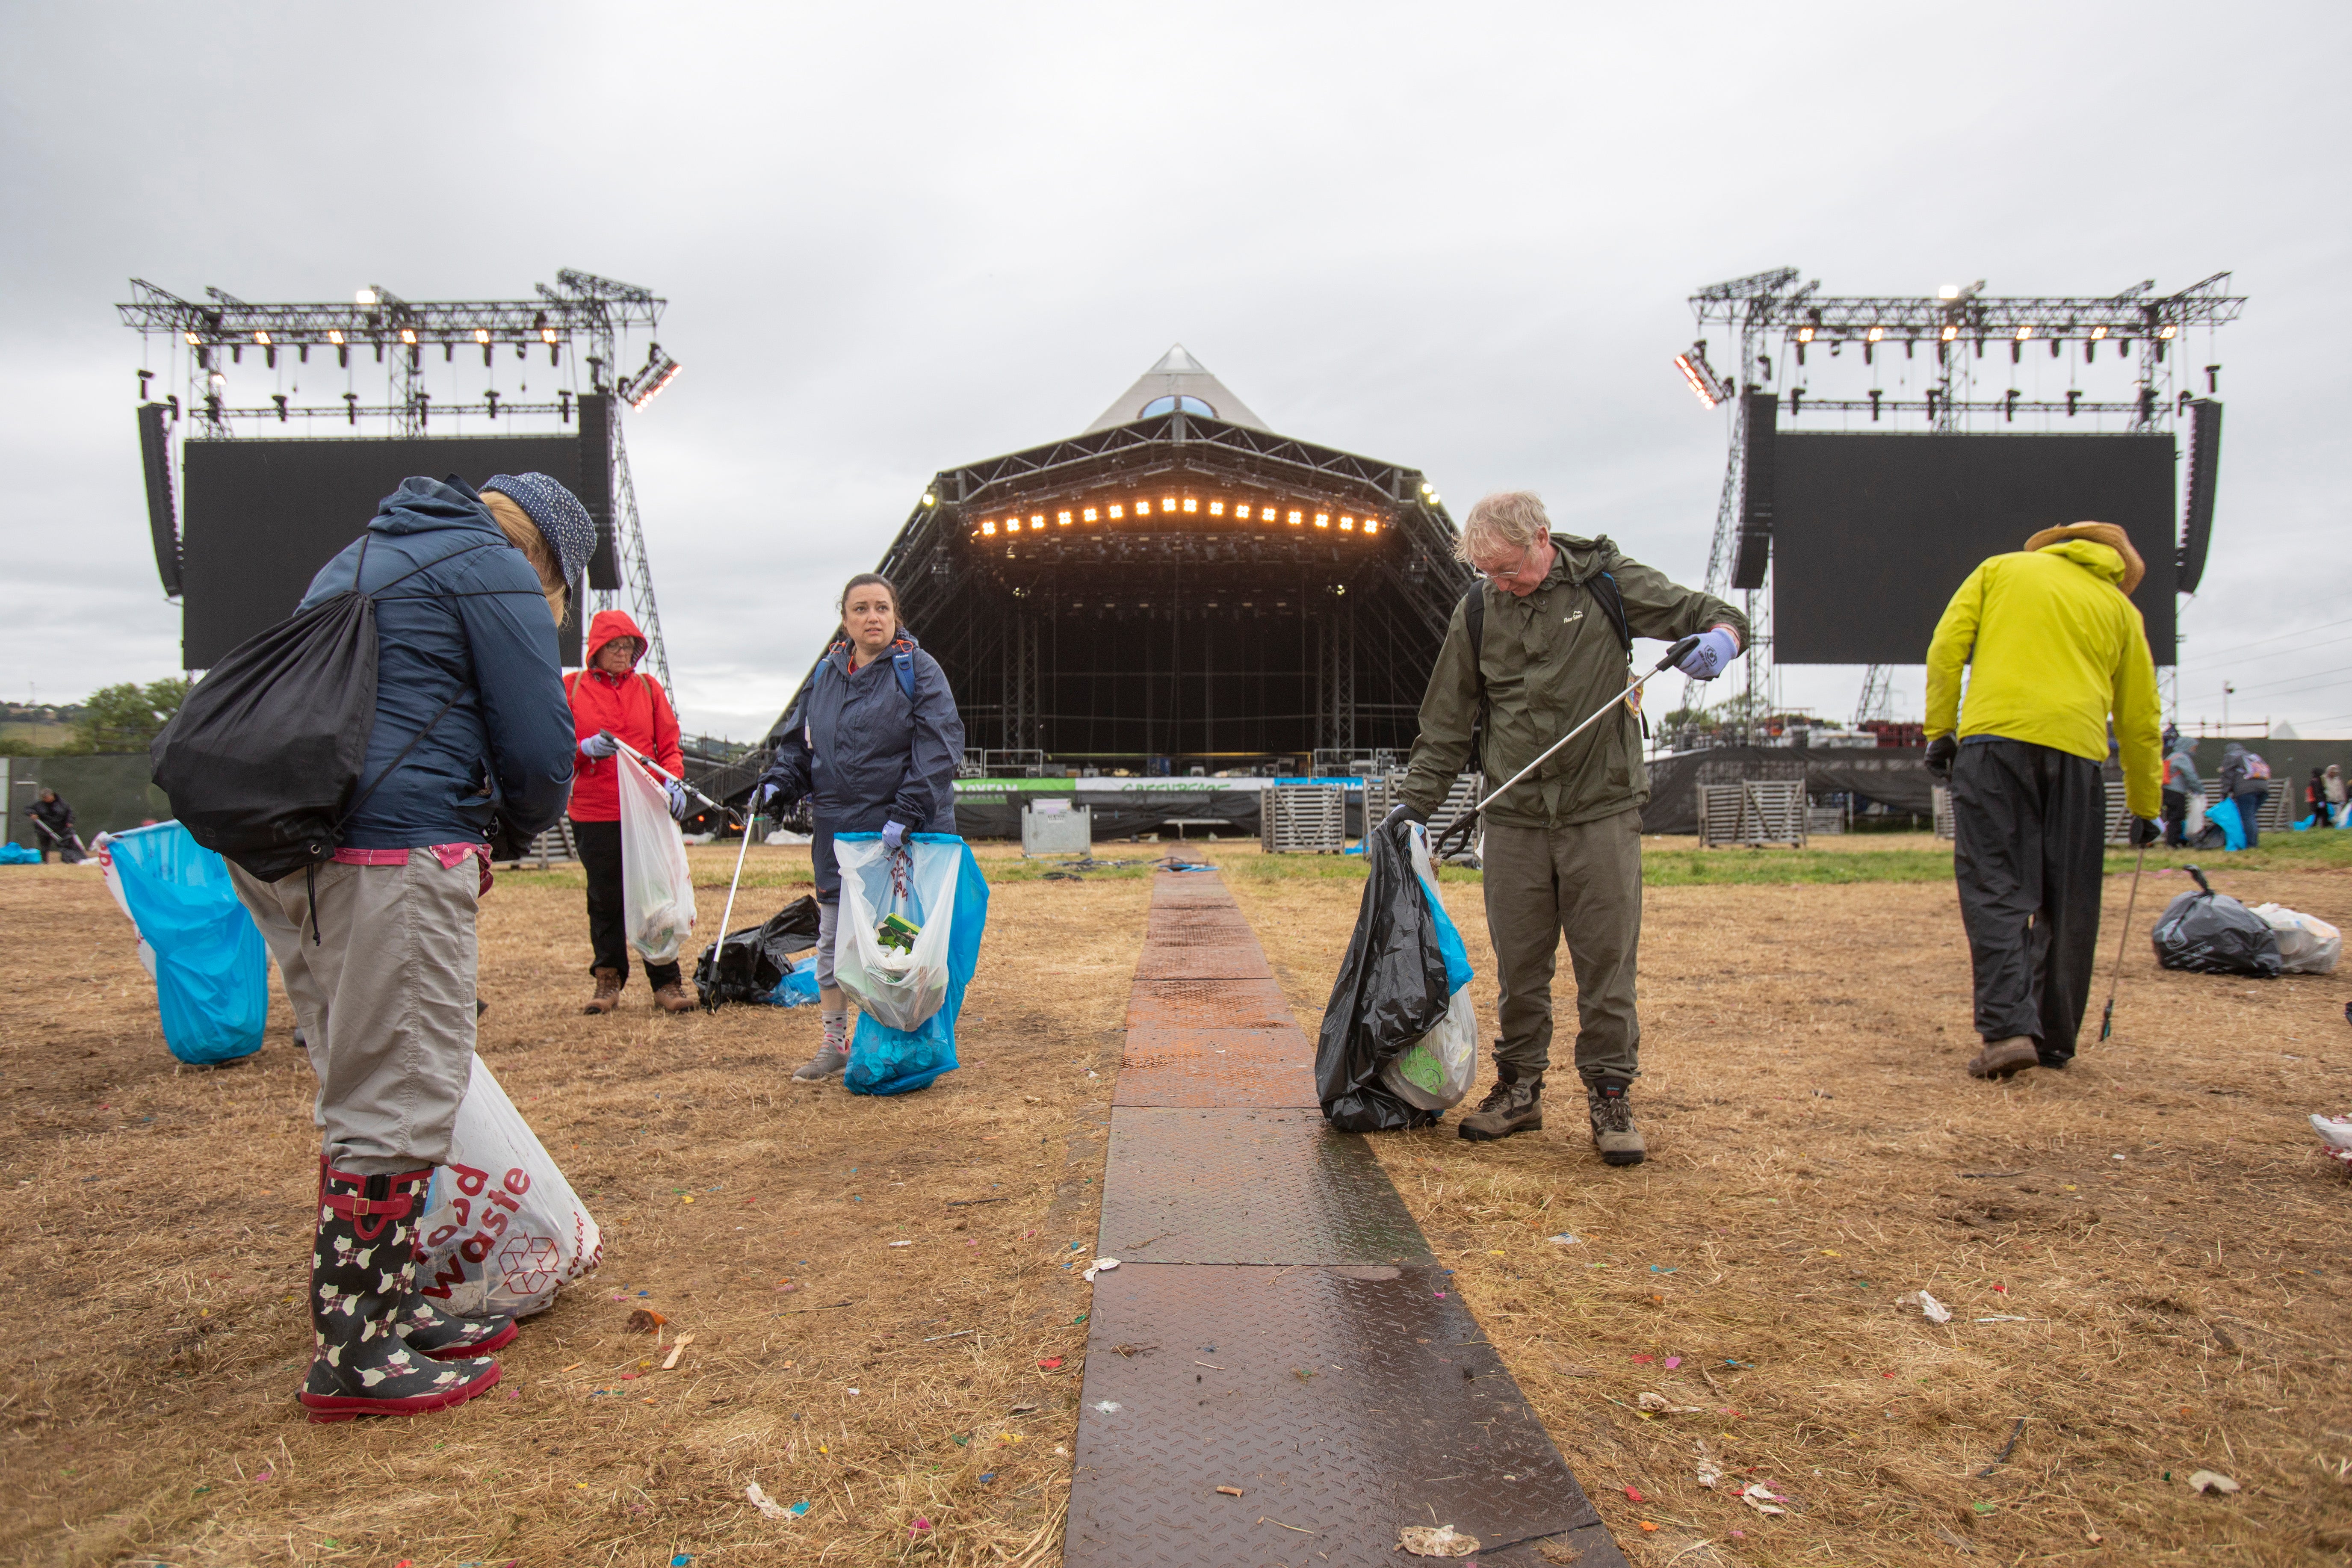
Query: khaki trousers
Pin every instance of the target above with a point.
(1584, 883)
(386, 998)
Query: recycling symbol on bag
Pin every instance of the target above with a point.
(529, 1263)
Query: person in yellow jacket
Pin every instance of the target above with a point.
(2053, 647)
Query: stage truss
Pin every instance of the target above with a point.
(209, 349)
(1785, 331)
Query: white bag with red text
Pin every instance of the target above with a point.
(503, 1231)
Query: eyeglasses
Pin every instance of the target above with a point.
(1513, 575)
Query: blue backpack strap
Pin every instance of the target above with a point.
(902, 659)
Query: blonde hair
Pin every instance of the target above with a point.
(1507, 521)
(525, 536)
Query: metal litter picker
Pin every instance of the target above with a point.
(719, 949)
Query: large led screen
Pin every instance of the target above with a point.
(1871, 534)
(264, 515)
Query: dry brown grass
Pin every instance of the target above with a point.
(152, 1245)
(1816, 1152)
(1810, 1132)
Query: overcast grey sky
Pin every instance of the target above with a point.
(897, 238)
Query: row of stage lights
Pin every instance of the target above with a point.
(1173, 506)
(2024, 334)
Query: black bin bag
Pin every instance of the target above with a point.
(752, 961)
(1391, 991)
(2207, 932)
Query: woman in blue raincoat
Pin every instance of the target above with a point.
(872, 744)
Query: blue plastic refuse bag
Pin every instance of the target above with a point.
(211, 972)
(18, 854)
(883, 1061)
(798, 987)
(2223, 812)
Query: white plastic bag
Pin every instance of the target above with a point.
(104, 855)
(2192, 821)
(656, 887)
(503, 1230)
(2309, 944)
(900, 988)
(1436, 1070)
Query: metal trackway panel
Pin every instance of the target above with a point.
(1279, 1324)
(1208, 1005)
(1344, 1402)
(1248, 1187)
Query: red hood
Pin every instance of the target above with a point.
(611, 624)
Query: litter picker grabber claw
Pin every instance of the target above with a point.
(655, 769)
(719, 948)
(1460, 831)
(2107, 1019)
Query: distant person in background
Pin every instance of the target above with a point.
(2181, 785)
(377, 946)
(872, 742)
(2246, 784)
(2053, 646)
(612, 699)
(53, 821)
(2314, 799)
(2334, 779)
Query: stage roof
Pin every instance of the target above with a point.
(1177, 375)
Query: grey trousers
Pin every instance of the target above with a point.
(828, 938)
(1584, 883)
(386, 998)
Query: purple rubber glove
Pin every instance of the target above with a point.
(677, 805)
(1715, 651)
(600, 744)
(894, 833)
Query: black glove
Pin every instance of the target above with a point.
(2145, 832)
(1940, 752)
(1402, 813)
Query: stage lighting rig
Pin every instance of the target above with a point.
(1710, 387)
(647, 383)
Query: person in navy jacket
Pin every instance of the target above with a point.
(872, 742)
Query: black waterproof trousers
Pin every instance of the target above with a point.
(600, 856)
(2030, 825)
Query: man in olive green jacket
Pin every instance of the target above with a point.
(1563, 850)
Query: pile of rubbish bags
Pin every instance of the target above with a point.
(1400, 1039)
(2205, 932)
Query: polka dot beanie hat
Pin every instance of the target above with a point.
(563, 522)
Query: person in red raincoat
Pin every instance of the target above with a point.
(612, 699)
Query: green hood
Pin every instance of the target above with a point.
(2101, 560)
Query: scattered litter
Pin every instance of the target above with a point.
(1650, 1527)
(1634, 1494)
(857, 1391)
(2212, 1481)
(1108, 1406)
(644, 1321)
(2336, 1133)
(1564, 1239)
(986, 1476)
(1982, 1509)
(676, 1351)
(766, 1504)
(1024, 1410)
(1102, 1266)
(917, 1528)
(1230, 1492)
(1709, 1471)
(902, 1244)
(2006, 1450)
(1645, 1358)
(1659, 1402)
(1050, 1363)
(1673, 1361)
(1441, 1541)
(681, 1560)
(1763, 1499)
(2004, 1318)
(1936, 1312)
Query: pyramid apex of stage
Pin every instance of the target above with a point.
(1177, 380)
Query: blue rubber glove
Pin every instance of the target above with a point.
(767, 794)
(1715, 651)
(600, 744)
(1400, 812)
(894, 833)
(677, 803)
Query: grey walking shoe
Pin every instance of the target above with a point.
(829, 1059)
(1613, 1132)
(1513, 1105)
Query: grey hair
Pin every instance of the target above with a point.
(1510, 521)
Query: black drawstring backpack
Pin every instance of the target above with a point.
(262, 762)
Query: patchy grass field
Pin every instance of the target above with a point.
(1816, 1155)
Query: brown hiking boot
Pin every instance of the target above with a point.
(2001, 1058)
(608, 992)
(672, 998)
(1513, 1105)
(1613, 1132)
